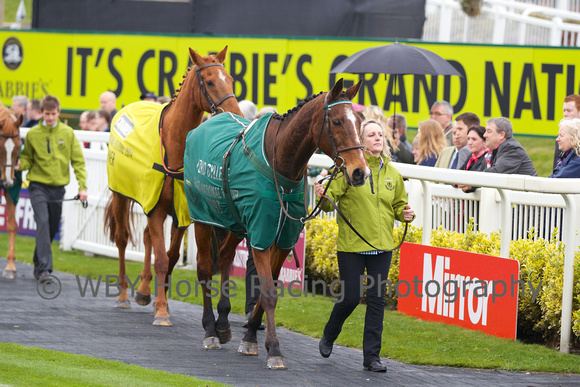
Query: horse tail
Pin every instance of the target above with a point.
(119, 222)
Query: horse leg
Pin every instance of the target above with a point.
(173, 252)
(9, 271)
(203, 237)
(174, 246)
(268, 264)
(155, 223)
(143, 296)
(117, 220)
(226, 257)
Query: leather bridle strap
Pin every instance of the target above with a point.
(213, 106)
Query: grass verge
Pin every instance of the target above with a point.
(30, 366)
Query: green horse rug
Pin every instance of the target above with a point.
(135, 159)
(249, 206)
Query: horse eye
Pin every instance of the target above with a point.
(336, 122)
(210, 84)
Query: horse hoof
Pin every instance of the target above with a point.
(9, 274)
(224, 335)
(248, 349)
(162, 322)
(211, 342)
(276, 363)
(126, 304)
(143, 299)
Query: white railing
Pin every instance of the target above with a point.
(553, 23)
(511, 204)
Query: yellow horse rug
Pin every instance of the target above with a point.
(135, 160)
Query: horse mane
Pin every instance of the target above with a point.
(301, 104)
(176, 93)
(297, 107)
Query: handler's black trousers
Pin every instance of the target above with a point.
(351, 267)
(46, 202)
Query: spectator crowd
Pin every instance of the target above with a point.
(442, 140)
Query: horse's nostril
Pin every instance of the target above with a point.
(358, 176)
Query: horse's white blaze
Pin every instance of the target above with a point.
(350, 116)
(222, 76)
(9, 147)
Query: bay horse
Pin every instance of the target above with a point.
(206, 87)
(9, 151)
(325, 121)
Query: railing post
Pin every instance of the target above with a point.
(568, 286)
(427, 212)
(556, 32)
(506, 223)
(445, 23)
(67, 226)
(488, 210)
(499, 26)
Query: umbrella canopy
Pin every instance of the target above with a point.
(395, 59)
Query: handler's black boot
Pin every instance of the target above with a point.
(325, 347)
(376, 366)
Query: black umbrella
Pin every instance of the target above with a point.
(396, 59)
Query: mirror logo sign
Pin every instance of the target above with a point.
(12, 53)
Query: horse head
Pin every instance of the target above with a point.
(216, 87)
(9, 145)
(338, 135)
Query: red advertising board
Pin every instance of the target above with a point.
(290, 274)
(473, 291)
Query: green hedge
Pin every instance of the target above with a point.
(541, 264)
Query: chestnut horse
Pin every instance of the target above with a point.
(9, 150)
(206, 87)
(325, 121)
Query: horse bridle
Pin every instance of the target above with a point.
(335, 150)
(213, 106)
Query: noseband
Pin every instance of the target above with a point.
(213, 106)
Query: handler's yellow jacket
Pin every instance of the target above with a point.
(372, 214)
(48, 152)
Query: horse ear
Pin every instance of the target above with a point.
(336, 89)
(19, 120)
(221, 56)
(353, 90)
(195, 58)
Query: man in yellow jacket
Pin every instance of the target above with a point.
(49, 149)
